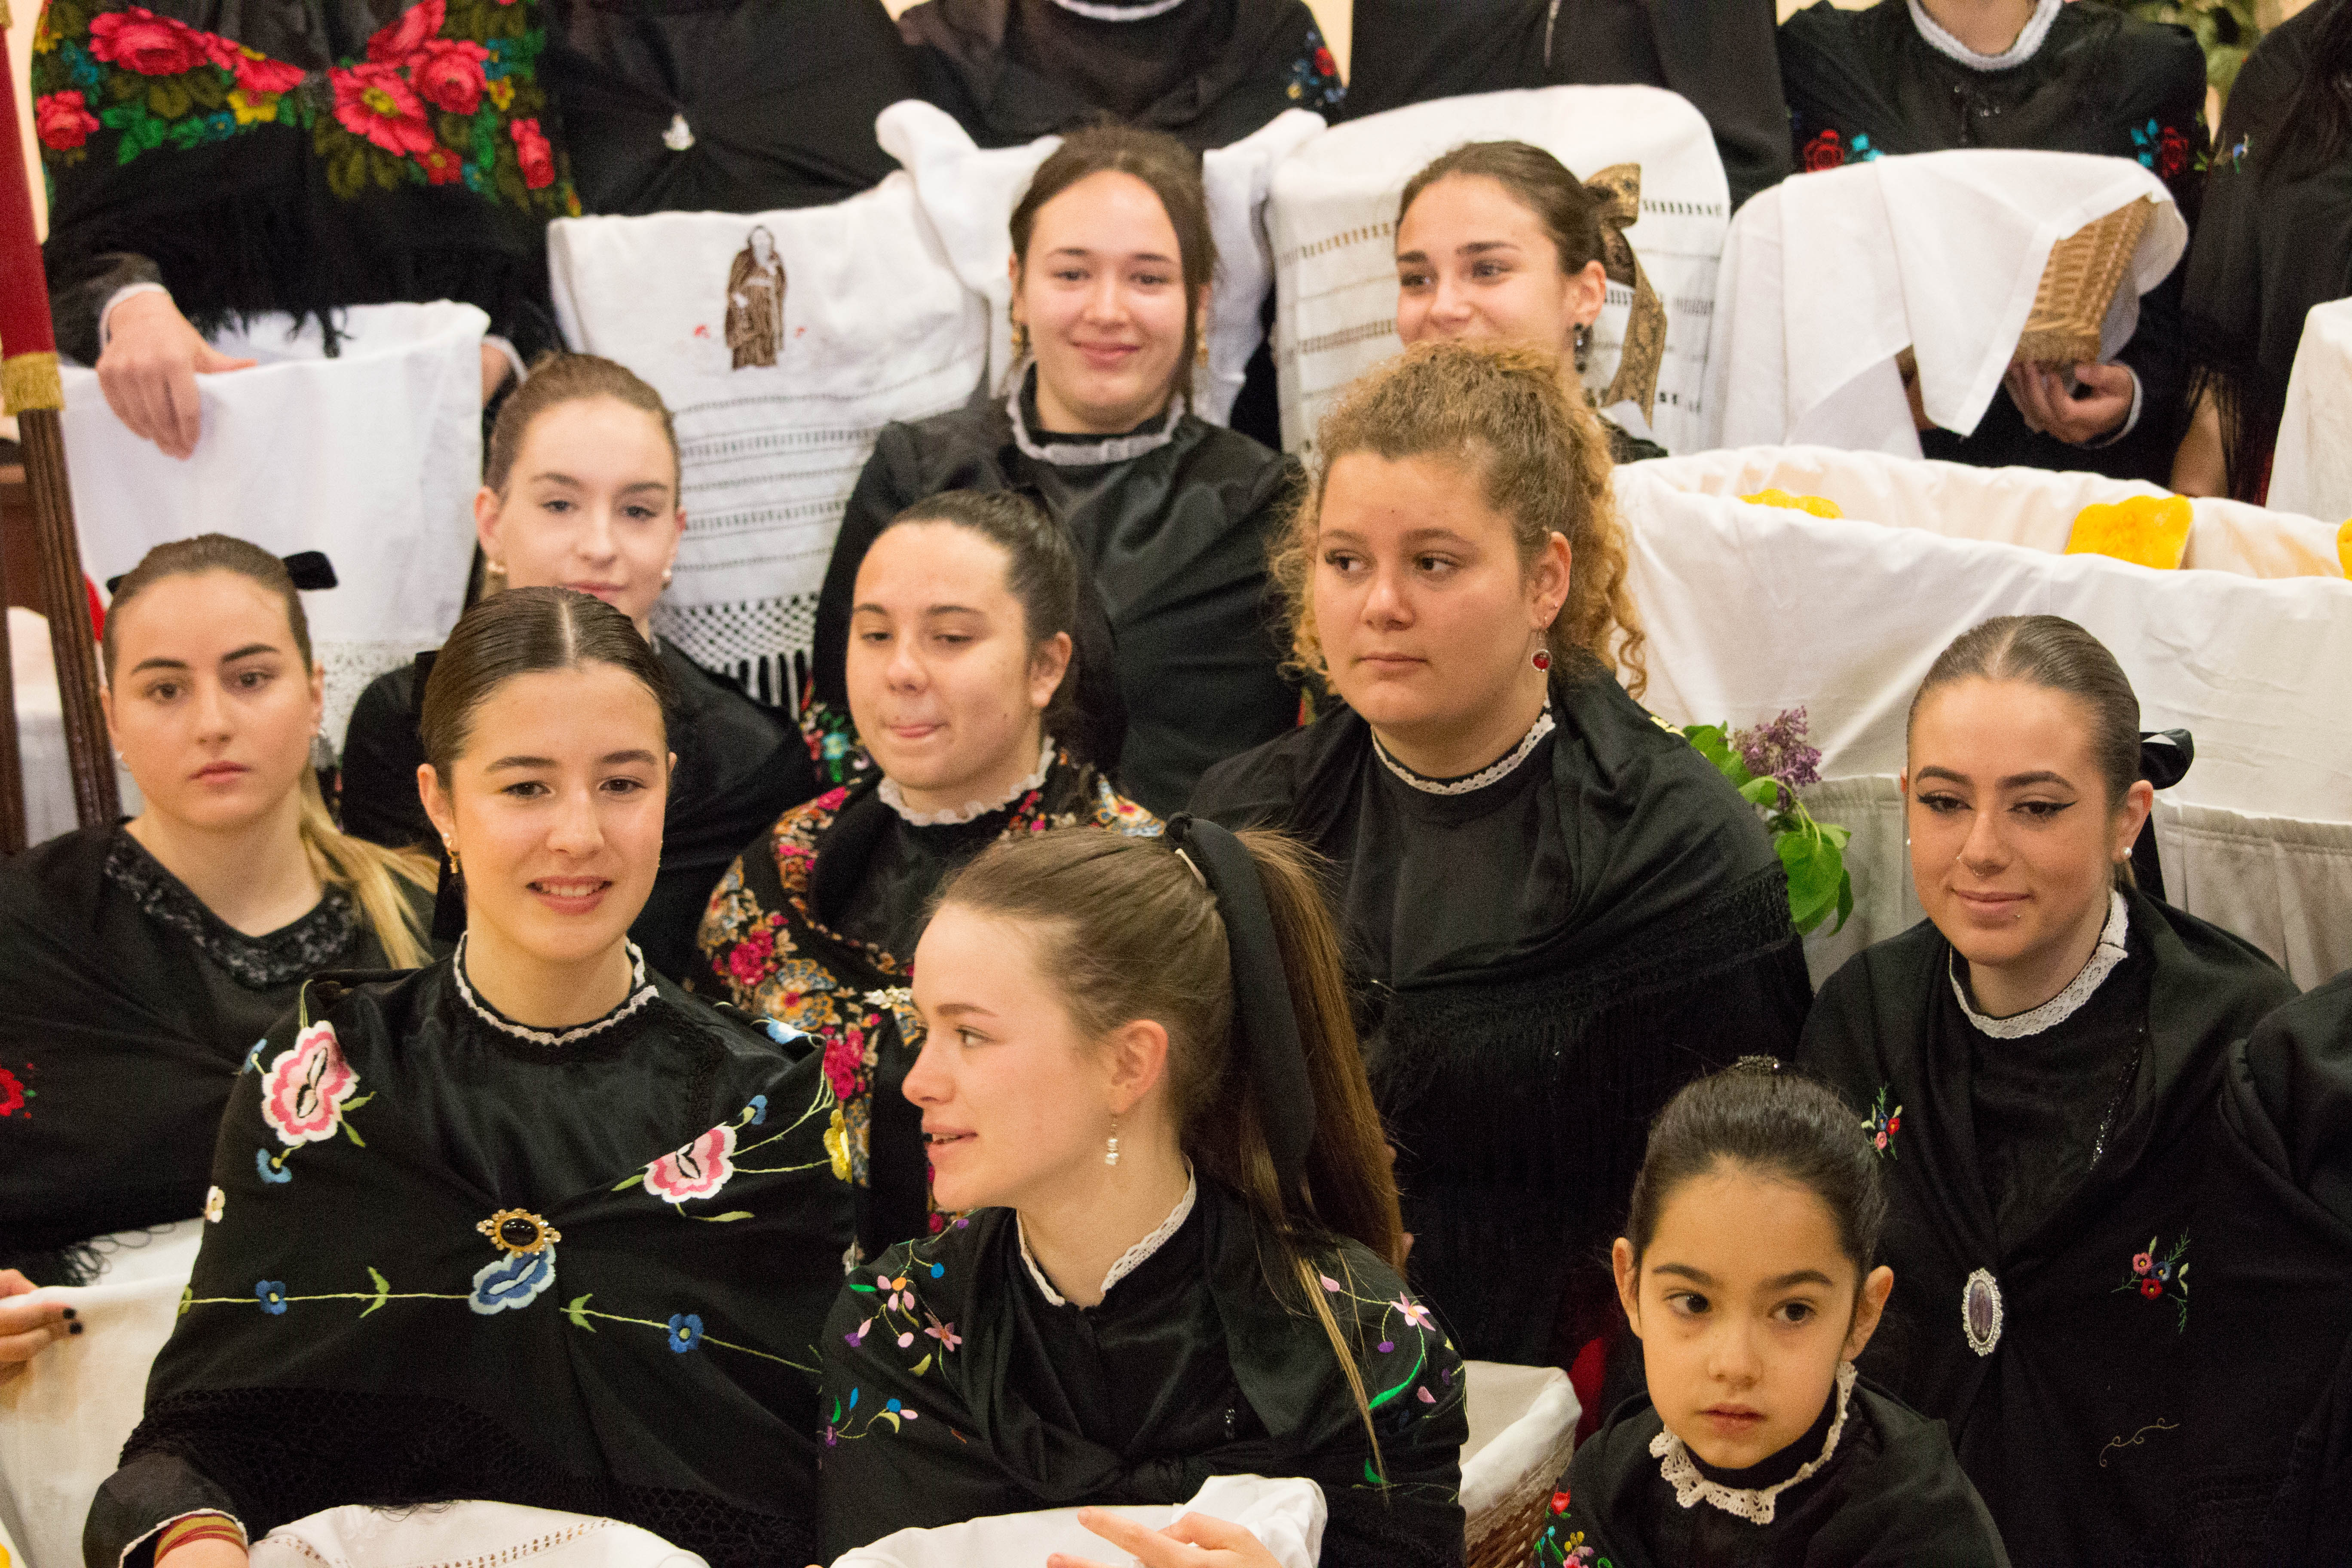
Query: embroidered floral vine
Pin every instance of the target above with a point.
(2162, 1275)
(1882, 1124)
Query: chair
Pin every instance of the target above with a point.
(1333, 218)
(1827, 277)
(1753, 609)
(373, 457)
(2312, 469)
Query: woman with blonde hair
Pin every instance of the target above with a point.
(144, 959)
(1555, 909)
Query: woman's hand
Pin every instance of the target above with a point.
(150, 368)
(27, 1327)
(2040, 394)
(1195, 1540)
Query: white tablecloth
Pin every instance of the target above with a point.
(373, 457)
(2312, 471)
(1754, 610)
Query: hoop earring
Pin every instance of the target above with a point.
(1583, 340)
(1110, 1147)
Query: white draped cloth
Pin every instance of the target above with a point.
(2312, 468)
(1334, 212)
(373, 457)
(472, 1534)
(1827, 277)
(1753, 609)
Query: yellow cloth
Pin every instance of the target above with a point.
(1819, 506)
(2149, 531)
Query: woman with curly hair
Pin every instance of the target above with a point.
(1551, 903)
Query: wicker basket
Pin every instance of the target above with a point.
(1527, 1417)
(2079, 285)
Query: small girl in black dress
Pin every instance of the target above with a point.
(1745, 1270)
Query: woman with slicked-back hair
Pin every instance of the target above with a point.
(1551, 903)
(2038, 1064)
(527, 1228)
(139, 962)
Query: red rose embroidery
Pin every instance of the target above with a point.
(449, 75)
(2171, 153)
(1559, 1503)
(442, 167)
(394, 45)
(1826, 150)
(64, 121)
(532, 151)
(258, 74)
(374, 101)
(1324, 64)
(12, 1090)
(137, 38)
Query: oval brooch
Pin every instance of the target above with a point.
(518, 1231)
(1980, 1312)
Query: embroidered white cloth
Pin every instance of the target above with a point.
(1333, 219)
(373, 457)
(465, 1535)
(1827, 277)
(64, 1418)
(2312, 468)
(2109, 951)
(968, 193)
(1754, 610)
(1287, 1515)
(783, 343)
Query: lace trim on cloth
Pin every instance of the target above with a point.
(2063, 1006)
(1134, 13)
(641, 990)
(256, 962)
(2029, 41)
(1755, 1505)
(970, 811)
(1500, 770)
(1087, 454)
(1133, 1259)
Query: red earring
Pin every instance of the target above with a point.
(1543, 659)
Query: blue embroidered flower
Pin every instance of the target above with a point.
(269, 1170)
(271, 1294)
(253, 1057)
(84, 70)
(1860, 150)
(760, 1102)
(513, 1281)
(685, 1331)
(2144, 137)
(938, 1270)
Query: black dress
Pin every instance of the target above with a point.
(724, 105)
(1888, 1495)
(1540, 963)
(126, 1011)
(1863, 84)
(456, 1259)
(1172, 522)
(816, 925)
(1715, 53)
(738, 765)
(297, 155)
(1005, 1400)
(2272, 242)
(2047, 1210)
(1208, 72)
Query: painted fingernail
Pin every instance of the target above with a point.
(73, 1328)
(69, 1312)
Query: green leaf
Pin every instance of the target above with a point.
(861, 1290)
(1764, 792)
(577, 1312)
(1716, 747)
(922, 1367)
(634, 1178)
(722, 1218)
(353, 1134)
(383, 1291)
(1816, 870)
(890, 1416)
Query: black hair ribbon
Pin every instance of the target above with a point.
(309, 569)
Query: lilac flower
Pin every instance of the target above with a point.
(1778, 750)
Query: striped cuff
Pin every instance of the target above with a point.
(197, 1527)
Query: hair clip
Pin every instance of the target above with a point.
(1758, 1063)
(1191, 867)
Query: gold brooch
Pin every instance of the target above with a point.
(518, 1231)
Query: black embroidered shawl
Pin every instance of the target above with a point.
(447, 1262)
(771, 941)
(2073, 1418)
(925, 1423)
(1519, 1079)
(123, 1020)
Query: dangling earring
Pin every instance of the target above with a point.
(1110, 1149)
(1019, 341)
(1542, 660)
(1584, 345)
(493, 569)
(665, 576)
(449, 848)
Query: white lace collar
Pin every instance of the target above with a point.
(1498, 770)
(1087, 454)
(641, 990)
(2063, 1006)
(1133, 1259)
(2028, 43)
(1755, 1504)
(971, 810)
(1143, 11)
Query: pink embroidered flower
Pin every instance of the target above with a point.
(943, 1332)
(64, 122)
(897, 1297)
(151, 44)
(697, 1170)
(858, 1336)
(2142, 1262)
(258, 74)
(394, 43)
(747, 961)
(845, 1063)
(1880, 1140)
(449, 75)
(374, 101)
(303, 1093)
(532, 153)
(1330, 1284)
(1414, 1312)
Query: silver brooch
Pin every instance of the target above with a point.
(1980, 1312)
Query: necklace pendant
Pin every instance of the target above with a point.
(1980, 1312)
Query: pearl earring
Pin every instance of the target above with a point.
(1110, 1148)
